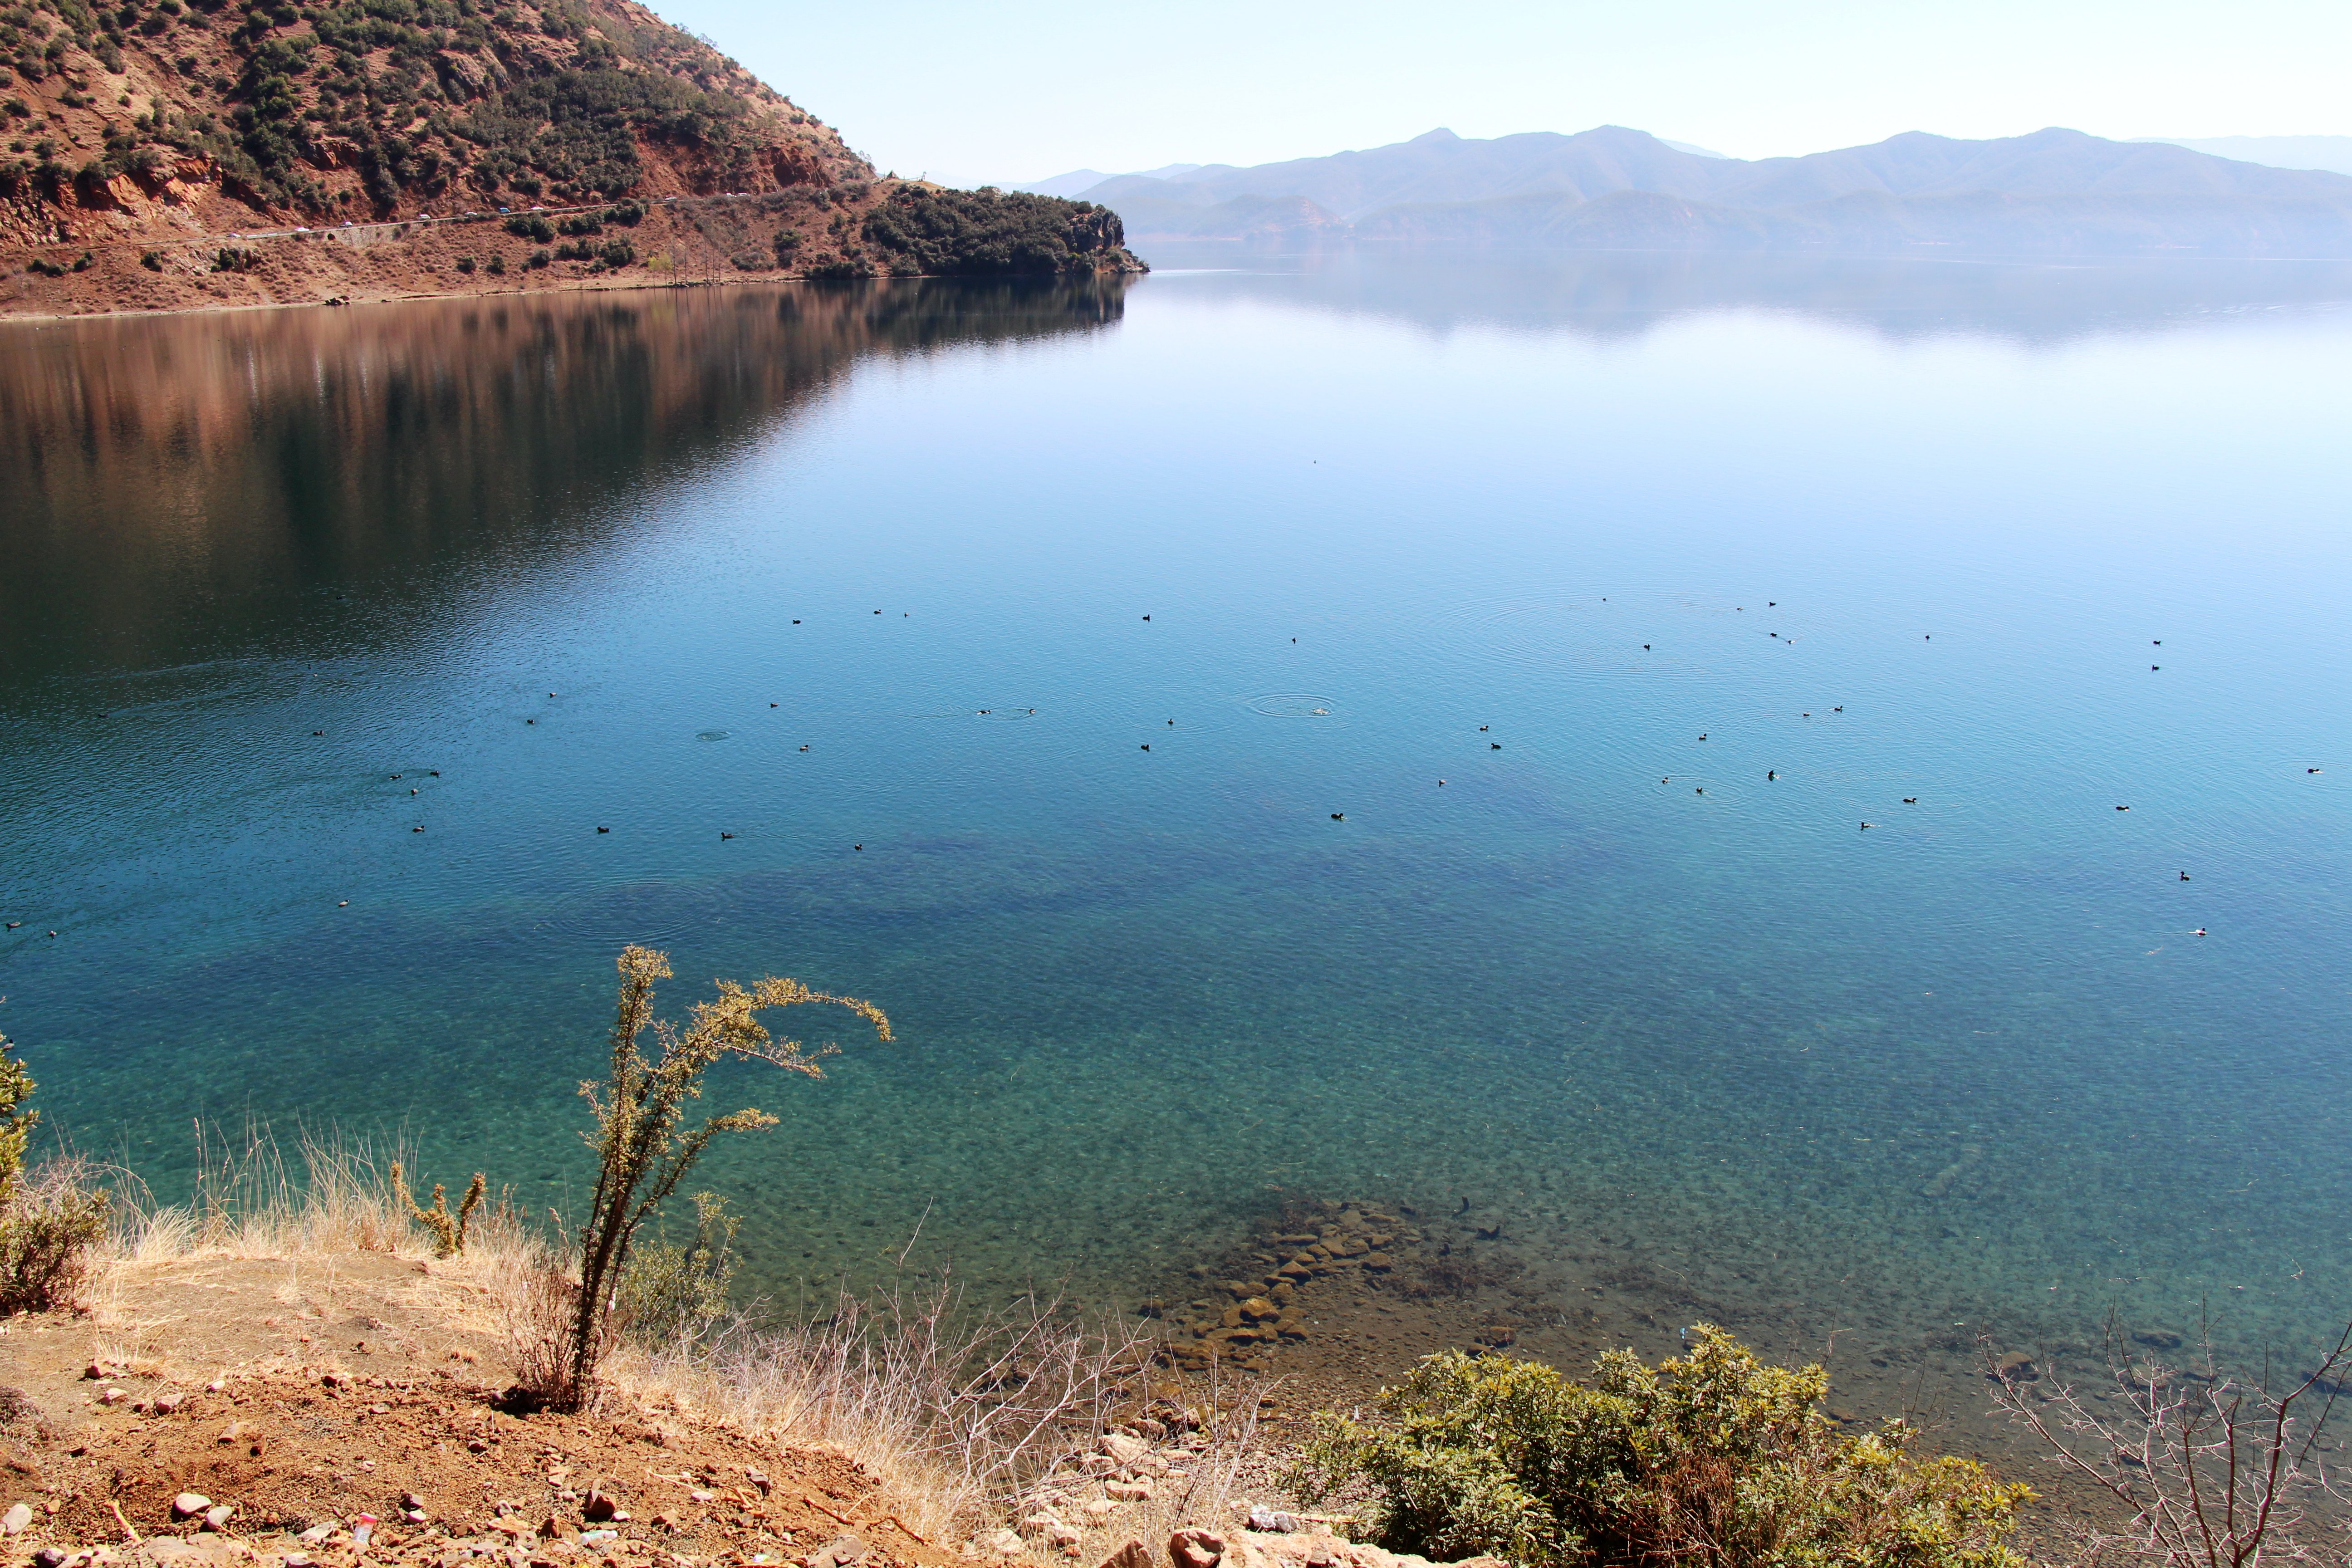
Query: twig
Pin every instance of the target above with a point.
(828, 1512)
(894, 1519)
(122, 1522)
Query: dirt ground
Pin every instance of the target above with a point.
(349, 1411)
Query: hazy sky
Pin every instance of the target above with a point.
(1025, 89)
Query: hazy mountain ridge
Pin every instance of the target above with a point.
(2333, 153)
(2056, 190)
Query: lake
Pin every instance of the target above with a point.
(1633, 750)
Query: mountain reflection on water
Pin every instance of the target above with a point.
(1611, 295)
(177, 482)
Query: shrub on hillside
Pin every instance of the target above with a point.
(1710, 1460)
(671, 1295)
(50, 1220)
(644, 1148)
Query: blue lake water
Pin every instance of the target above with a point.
(1027, 640)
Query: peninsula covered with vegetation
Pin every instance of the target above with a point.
(178, 153)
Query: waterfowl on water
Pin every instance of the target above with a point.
(1484, 728)
(1148, 617)
(395, 775)
(2311, 769)
(1646, 647)
(1339, 817)
(434, 774)
(14, 924)
(1910, 800)
(1494, 746)
(771, 704)
(857, 846)
(2199, 931)
(2184, 876)
(730, 834)
(2123, 808)
(531, 721)
(1147, 745)
(317, 731)
(1837, 709)
(1701, 790)
(412, 789)
(343, 903)
(2155, 666)
(804, 748)
(603, 830)
(1769, 776)
(416, 829)
(1865, 825)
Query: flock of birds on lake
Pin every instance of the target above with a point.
(1770, 774)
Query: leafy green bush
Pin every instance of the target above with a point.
(49, 1221)
(531, 225)
(1711, 1461)
(672, 1293)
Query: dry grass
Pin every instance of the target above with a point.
(965, 1417)
(961, 1412)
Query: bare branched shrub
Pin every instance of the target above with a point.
(958, 1409)
(541, 1304)
(2218, 1469)
(642, 1155)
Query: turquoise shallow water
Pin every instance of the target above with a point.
(1653, 531)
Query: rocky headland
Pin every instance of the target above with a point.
(163, 155)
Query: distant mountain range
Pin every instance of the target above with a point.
(2055, 190)
(2279, 151)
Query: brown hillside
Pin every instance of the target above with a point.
(174, 153)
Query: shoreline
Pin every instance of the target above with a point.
(568, 286)
(851, 233)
